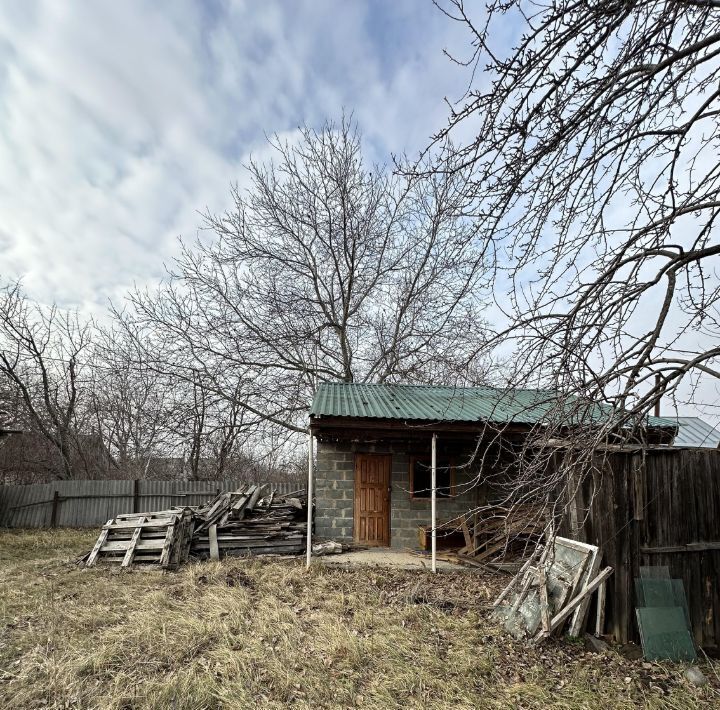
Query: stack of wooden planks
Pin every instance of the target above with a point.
(241, 522)
(160, 538)
(498, 532)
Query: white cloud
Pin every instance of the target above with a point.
(118, 121)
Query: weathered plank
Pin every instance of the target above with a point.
(98, 545)
(690, 547)
(144, 545)
(577, 600)
(213, 537)
(577, 625)
(167, 546)
(600, 615)
(127, 560)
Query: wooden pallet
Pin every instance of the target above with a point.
(239, 522)
(161, 538)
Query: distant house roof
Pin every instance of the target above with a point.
(432, 403)
(694, 432)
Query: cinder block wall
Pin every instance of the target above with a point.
(335, 485)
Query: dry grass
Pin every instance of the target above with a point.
(243, 634)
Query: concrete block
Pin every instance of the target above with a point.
(325, 505)
(421, 507)
(334, 494)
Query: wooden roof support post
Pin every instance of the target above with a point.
(433, 501)
(309, 501)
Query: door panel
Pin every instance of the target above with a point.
(372, 499)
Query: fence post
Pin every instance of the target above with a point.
(136, 495)
(53, 514)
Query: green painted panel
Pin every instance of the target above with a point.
(662, 593)
(664, 634)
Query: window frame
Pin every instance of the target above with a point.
(414, 458)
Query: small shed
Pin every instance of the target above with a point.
(649, 504)
(374, 449)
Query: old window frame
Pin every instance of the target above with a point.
(449, 463)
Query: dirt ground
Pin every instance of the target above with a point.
(261, 633)
(386, 558)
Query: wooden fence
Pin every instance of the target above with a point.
(82, 504)
(657, 507)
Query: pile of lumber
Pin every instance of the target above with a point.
(496, 532)
(248, 521)
(554, 586)
(243, 523)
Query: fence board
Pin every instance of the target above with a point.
(678, 503)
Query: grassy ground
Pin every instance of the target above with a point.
(243, 634)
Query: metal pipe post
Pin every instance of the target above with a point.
(433, 501)
(309, 501)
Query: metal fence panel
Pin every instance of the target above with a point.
(27, 506)
(92, 503)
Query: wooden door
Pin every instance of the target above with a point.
(372, 499)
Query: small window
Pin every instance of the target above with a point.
(421, 478)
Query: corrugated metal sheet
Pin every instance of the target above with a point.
(459, 404)
(419, 402)
(92, 503)
(694, 432)
(25, 506)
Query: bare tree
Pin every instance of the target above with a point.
(593, 177)
(588, 148)
(226, 436)
(131, 405)
(41, 354)
(324, 269)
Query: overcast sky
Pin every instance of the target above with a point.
(119, 120)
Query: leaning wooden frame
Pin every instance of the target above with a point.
(557, 582)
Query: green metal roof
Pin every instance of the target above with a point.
(431, 403)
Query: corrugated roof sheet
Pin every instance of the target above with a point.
(459, 404)
(694, 432)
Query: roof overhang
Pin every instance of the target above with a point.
(326, 428)
(374, 428)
